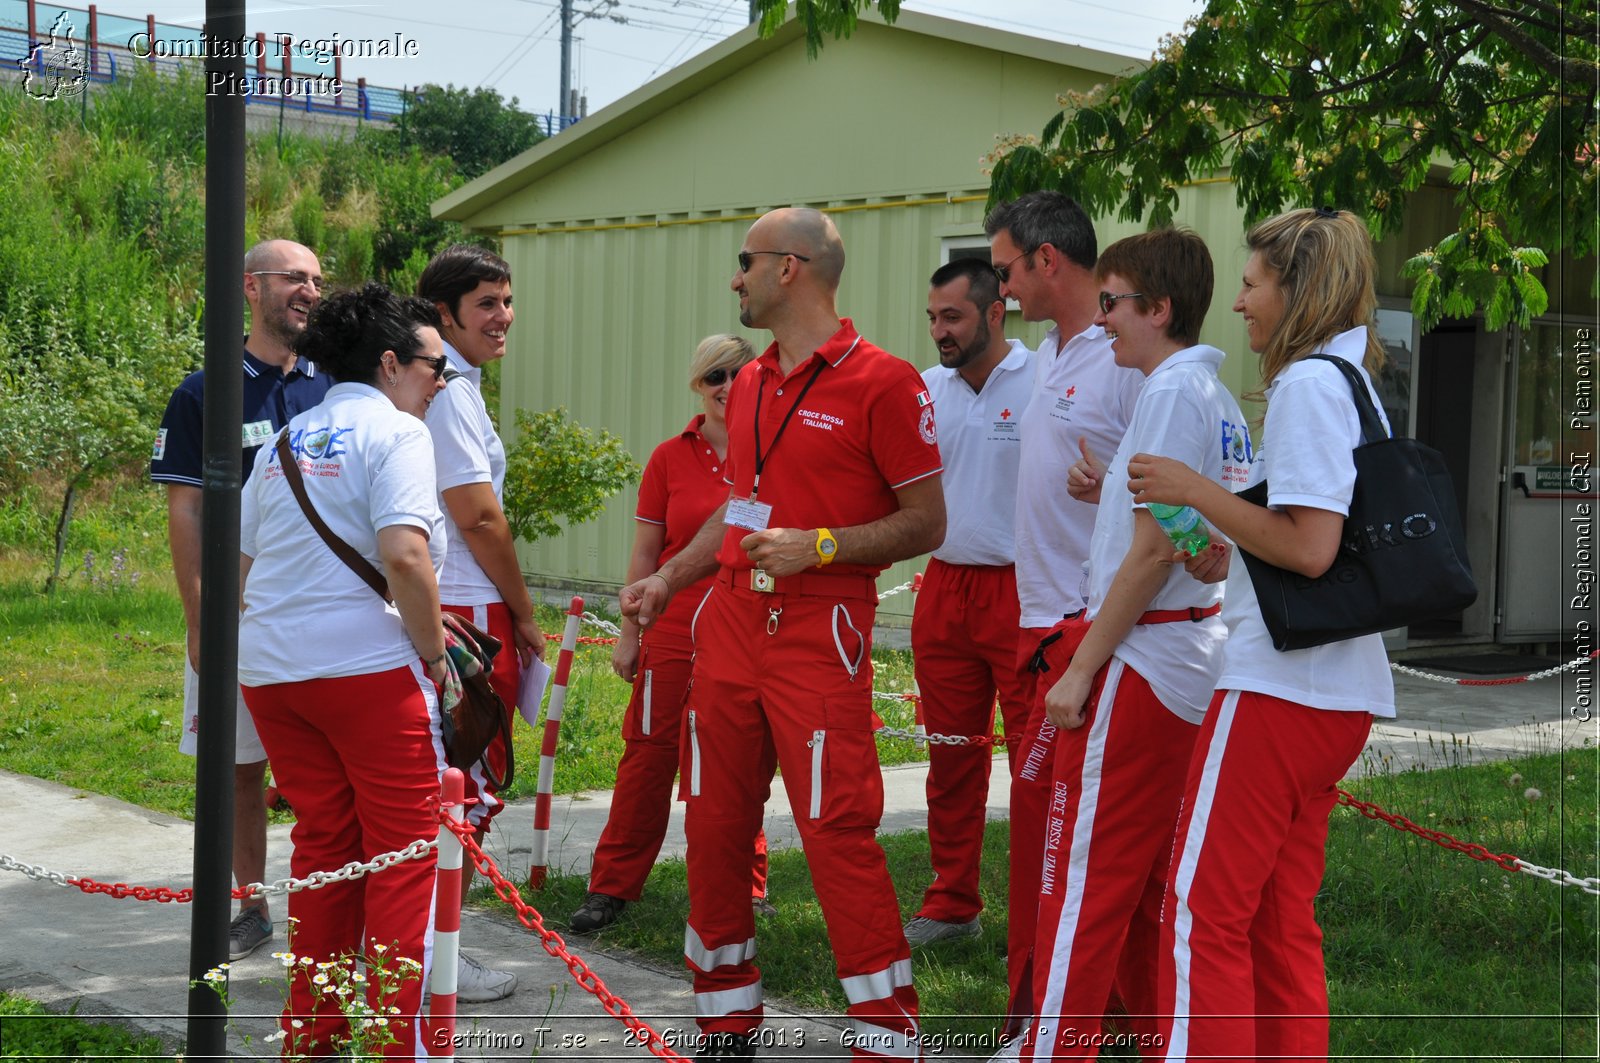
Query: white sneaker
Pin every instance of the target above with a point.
(477, 984)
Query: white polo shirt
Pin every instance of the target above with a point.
(1081, 391)
(981, 442)
(367, 466)
(1185, 413)
(1305, 456)
(467, 451)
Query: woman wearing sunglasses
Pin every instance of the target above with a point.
(482, 579)
(683, 485)
(340, 682)
(1241, 959)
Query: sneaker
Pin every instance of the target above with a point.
(598, 911)
(477, 984)
(727, 1046)
(762, 906)
(249, 930)
(924, 931)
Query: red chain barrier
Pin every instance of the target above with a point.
(1505, 861)
(583, 640)
(122, 891)
(556, 946)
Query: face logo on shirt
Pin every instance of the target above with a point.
(319, 443)
(925, 427)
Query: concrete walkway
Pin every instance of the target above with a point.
(129, 959)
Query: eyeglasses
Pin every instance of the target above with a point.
(745, 257)
(1107, 300)
(715, 378)
(296, 277)
(438, 365)
(1004, 272)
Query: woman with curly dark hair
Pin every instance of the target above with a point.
(340, 682)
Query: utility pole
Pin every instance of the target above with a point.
(566, 61)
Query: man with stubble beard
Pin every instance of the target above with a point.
(282, 282)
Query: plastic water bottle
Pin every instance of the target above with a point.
(1183, 526)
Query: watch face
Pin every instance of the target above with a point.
(826, 547)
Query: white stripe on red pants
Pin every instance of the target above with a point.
(641, 803)
(964, 647)
(786, 680)
(1117, 786)
(359, 758)
(494, 619)
(1032, 769)
(1242, 971)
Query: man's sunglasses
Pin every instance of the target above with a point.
(748, 257)
(438, 365)
(1107, 300)
(296, 277)
(1004, 272)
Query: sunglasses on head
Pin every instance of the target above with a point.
(438, 364)
(717, 377)
(1107, 300)
(746, 258)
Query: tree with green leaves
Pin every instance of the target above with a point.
(474, 127)
(558, 469)
(1344, 103)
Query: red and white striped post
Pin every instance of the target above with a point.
(547, 754)
(439, 1028)
(921, 729)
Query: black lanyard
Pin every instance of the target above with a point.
(761, 460)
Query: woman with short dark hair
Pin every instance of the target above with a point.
(341, 683)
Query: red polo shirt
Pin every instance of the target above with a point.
(863, 430)
(682, 485)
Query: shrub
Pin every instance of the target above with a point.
(558, 468)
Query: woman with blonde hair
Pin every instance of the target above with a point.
(682, 486)
(1241, 966)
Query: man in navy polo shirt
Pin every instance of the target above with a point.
(282, 282)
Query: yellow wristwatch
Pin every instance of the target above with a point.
(827, 546)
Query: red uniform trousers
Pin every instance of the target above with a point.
(1242, 972)
(1114, 802)
(1032, 766)
(359, 758)
(964, 648)
(785, 680)
(642, 801)
(495, 619)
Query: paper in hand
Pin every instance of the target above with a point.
(531, 690)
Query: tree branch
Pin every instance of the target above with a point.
(1568, 71)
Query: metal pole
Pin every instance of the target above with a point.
(219, 530)
(566, 61)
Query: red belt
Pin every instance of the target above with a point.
(1193, 614)
(821, 584)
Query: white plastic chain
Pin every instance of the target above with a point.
(892, 591)
(1559, 877)
(33, 871)
(1456, 680)
(604, 625)
(354, 869)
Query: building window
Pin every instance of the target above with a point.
(976, 246)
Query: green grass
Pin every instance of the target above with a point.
(31, 1031)
(1429, 952)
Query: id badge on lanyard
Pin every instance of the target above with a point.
(748, 514)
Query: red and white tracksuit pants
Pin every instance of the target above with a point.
(494, 619)
(359, 758)
(642, 801)
(1042, 656)
(964, 645)
(1114, 802)
(786, 680)
(1241, 973)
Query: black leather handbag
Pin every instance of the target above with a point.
(1402, 555)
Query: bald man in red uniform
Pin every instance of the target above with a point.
(834, 468)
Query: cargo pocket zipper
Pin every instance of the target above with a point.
(817, 738)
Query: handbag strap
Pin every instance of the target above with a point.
(343, 550)
(1372, 429)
